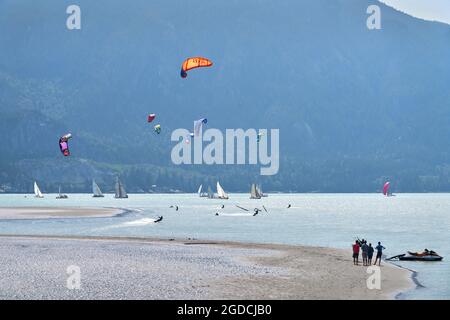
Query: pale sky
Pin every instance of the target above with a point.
(435, 10)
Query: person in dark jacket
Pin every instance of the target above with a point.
(379, 249)
(370, 251)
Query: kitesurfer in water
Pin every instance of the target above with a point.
(289, 205)
(159, 219)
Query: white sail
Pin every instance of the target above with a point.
(37, 192)
(220, 192)
(123, 192)
(254, 194)
(200, 190)
(120, 190)
(260, 192)
(117, 189)
(96, 190)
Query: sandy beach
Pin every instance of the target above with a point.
(34, 267)
(55, 212)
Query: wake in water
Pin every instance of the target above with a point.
(235, 214)
(134, 223)
(139, 222)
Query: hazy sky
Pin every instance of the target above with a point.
(438, 10)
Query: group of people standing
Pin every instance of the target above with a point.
(367, 252)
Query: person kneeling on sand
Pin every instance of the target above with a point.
(355, 253)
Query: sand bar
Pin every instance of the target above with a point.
(142, 268)
(55, 212)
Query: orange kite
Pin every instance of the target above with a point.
(192, 63)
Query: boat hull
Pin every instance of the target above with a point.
(418, 258)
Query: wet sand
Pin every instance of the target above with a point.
(55, 212)
(35, 267)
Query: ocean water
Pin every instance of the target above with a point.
(404, 222)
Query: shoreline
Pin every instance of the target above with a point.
(414, 279)
(263, 271)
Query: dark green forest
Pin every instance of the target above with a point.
(355, 107)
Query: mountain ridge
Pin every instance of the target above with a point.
(354, 106)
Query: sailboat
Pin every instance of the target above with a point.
(254, 194)
(261, 193)
(120, 190)
(37, 191)
(60, 195)
(220, 192)
(200, 193)
(97, 193)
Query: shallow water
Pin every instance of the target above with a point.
(405, 222)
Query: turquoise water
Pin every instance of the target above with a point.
(405, 222)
